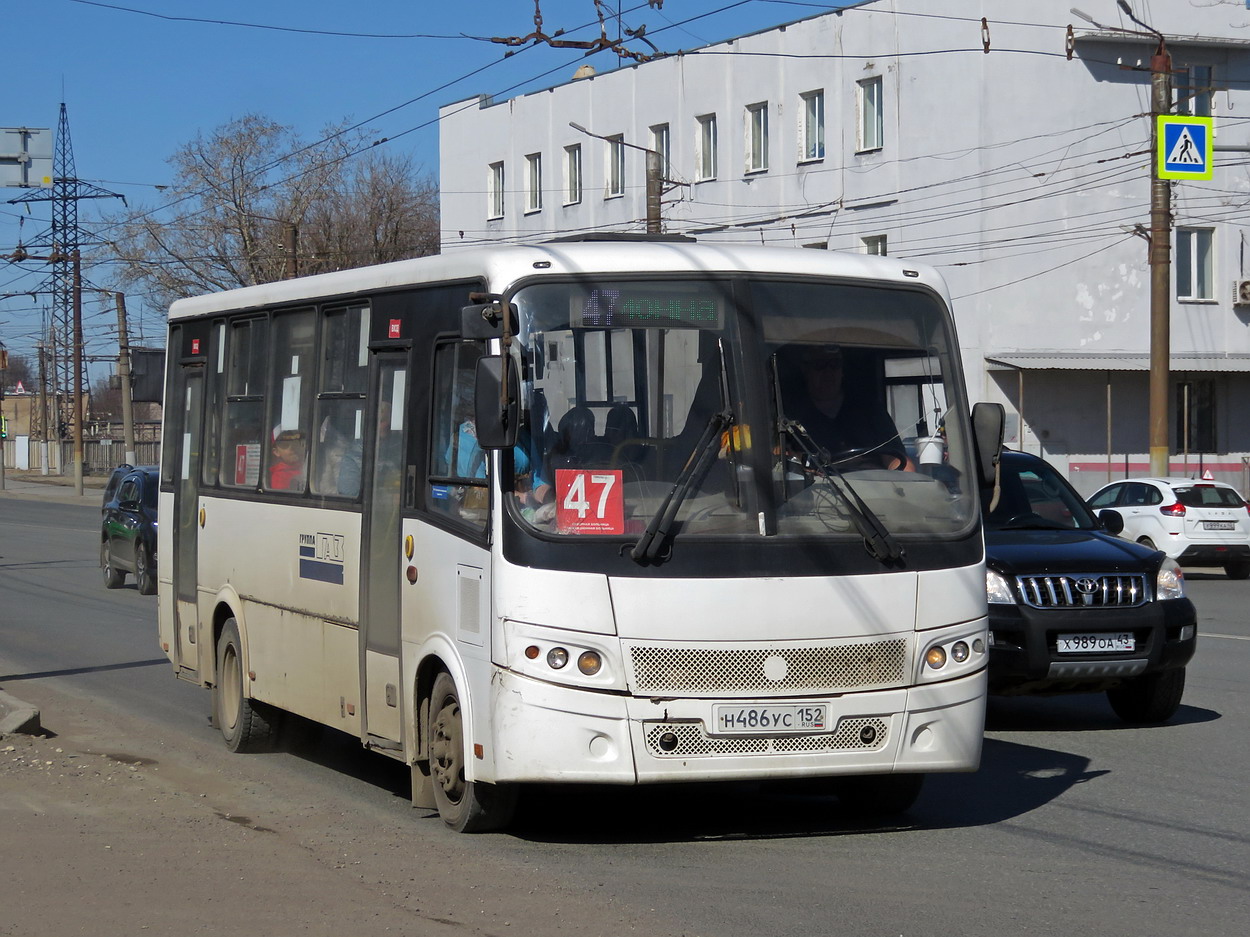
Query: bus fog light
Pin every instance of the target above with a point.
(959, 652)
(936, 658)
(557, 657)
(589, 663)
(868, 735)
(667, 741)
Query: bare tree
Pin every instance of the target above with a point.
(239, 192)
(18, 372)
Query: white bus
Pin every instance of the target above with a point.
(618, 512)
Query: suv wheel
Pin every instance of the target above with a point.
(113, 577)
(1152, 698)
(1238, 570)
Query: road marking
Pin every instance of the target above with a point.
(1231, 637)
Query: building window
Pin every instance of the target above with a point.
(1195, 416)
(661, 142)
(874, 244)
(573, 174)
(1195, 91)
(1195, 277)
(616, 166)
(534, 182)
(871, 123)
(705, 147)
(757, 137)
(812, 126)
(494, 191)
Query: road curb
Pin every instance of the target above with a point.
(18, 717)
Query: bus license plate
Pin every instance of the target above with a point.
(810, 717)
(1095, 643)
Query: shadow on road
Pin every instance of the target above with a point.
(1076, 712)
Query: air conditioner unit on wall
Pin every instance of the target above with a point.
(1241, 292)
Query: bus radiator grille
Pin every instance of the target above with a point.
(686, 671)
(692, 740)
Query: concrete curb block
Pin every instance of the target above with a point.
(16, 716)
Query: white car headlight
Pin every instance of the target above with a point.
(1170, 583)
(998, 590)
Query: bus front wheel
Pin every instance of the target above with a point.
(465, 806)
(247, 726)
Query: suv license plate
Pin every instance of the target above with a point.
(1219, 525)
(1095, 643)
(771, 720)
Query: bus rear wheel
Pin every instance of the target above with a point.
(465, 806)
(246, 725)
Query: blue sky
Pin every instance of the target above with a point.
(141, 77)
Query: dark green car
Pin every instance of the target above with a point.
(128, 528)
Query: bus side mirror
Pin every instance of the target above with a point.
(495, 414)
(987, 435)
(483, 320)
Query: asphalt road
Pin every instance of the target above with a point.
(1075, 824)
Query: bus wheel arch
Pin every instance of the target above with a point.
(464, 805)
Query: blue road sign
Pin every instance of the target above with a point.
(1184, 148)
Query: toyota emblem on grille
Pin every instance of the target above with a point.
(1086, 586)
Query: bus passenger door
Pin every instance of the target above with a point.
(383, 561)
(186, 462)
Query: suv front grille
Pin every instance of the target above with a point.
(1097, 590)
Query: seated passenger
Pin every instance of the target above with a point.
(286, 472)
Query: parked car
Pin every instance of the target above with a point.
(128, 527)
(1074, 608)
(1195, 522)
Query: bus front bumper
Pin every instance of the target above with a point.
(553, 733)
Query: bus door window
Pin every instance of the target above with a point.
(338, 437)
(459, 486)
(286, 446)
(243, 424)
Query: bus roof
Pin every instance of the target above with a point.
(501, 266)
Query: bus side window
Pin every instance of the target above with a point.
(342, 381)
(242, 426)
(458, 479)
(286, 442)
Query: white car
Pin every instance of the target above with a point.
(1195, 522)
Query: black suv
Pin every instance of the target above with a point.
(1073, 608)
(128, 527)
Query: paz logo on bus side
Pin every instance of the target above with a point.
(1184, 147)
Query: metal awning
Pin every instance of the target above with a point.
(1124, 361)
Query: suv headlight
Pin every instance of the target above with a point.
(1170, 583)
(998, 590)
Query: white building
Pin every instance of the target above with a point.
(1013, 155)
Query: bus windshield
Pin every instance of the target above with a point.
(714, 407)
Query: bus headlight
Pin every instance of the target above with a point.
(555, 655)
(952, 652)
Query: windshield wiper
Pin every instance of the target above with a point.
(648, 547)
(878, 540)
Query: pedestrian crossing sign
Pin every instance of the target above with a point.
(1184, 147)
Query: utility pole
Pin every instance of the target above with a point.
(123, 374)
(4, 366)
(1160, 252)
(79, 411)
(655, 177)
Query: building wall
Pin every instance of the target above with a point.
(1021, 174)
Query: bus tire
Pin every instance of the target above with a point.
(247, 726)
(465, 806)
(881, 795)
